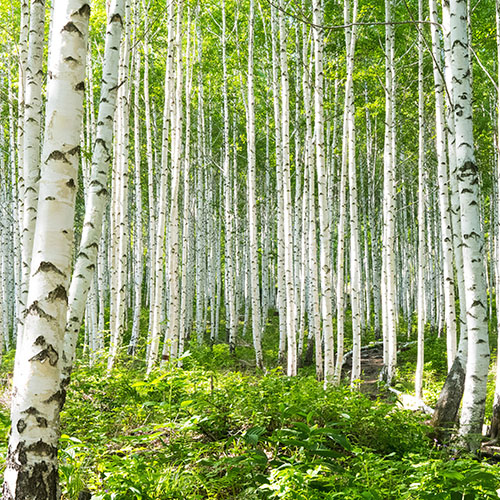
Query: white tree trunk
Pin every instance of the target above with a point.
(389, 305)
(158, 268)
(473, 405)
(252, 202)
(97, 198)
(31, 137)
(419, 373)
(322, 181)
(31, 465)
(171, 344)
(287, 201)
(138, 232)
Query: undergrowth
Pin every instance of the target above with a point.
(214, 429)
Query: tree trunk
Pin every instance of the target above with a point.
(473, 405)
(31, 465)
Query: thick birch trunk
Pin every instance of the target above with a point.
(473, 405)
(31, 465)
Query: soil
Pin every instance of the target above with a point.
(371, 366)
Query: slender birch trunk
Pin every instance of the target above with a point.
(171, 344)
(19, 208)
(97, 198)
(281, 298)
(495, 419)
(31, 136)
(252, 202)
(287, 201)
(419, 373)
(324, 229)
(138, 232)
(389, 306)
(355, 255)
(229, 233)
(158, 268)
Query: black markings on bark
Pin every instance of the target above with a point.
(42, 422)
(468, 167)
(115, 18)
(48, 353)
(70, 59)
(21, 425)
(71, 184)
(59, 397)
(42, 448)
(72, 28)
(58, 156)
(80, 86)
(84, 10)
(31, 411)
(48, 266)
(38, 311)
(74, 151)
(40, 340)
(49, 198)
(58, 293)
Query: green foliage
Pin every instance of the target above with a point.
(205, 432)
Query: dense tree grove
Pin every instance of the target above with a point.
(182, 173)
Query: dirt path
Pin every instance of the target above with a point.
(371, 365)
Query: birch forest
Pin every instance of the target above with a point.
(250, 249)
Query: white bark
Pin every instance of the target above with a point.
(389, 312)
(158, 268)
(171, 344)
(19, 207)
(473, 405)
(419, 373)
(138, 232)
(96, 200)
(31, 137)
(228, 207)
(281, 298)
(287, 201)
(252, 202)
(324, 229)
(31, 465)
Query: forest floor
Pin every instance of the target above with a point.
(217, 429)
(372, 361)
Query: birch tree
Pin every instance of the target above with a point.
(324, 229)
(31, 465)
(97, 194)
(252, 202)
(473, 404)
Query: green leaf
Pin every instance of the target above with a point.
(253, 434)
